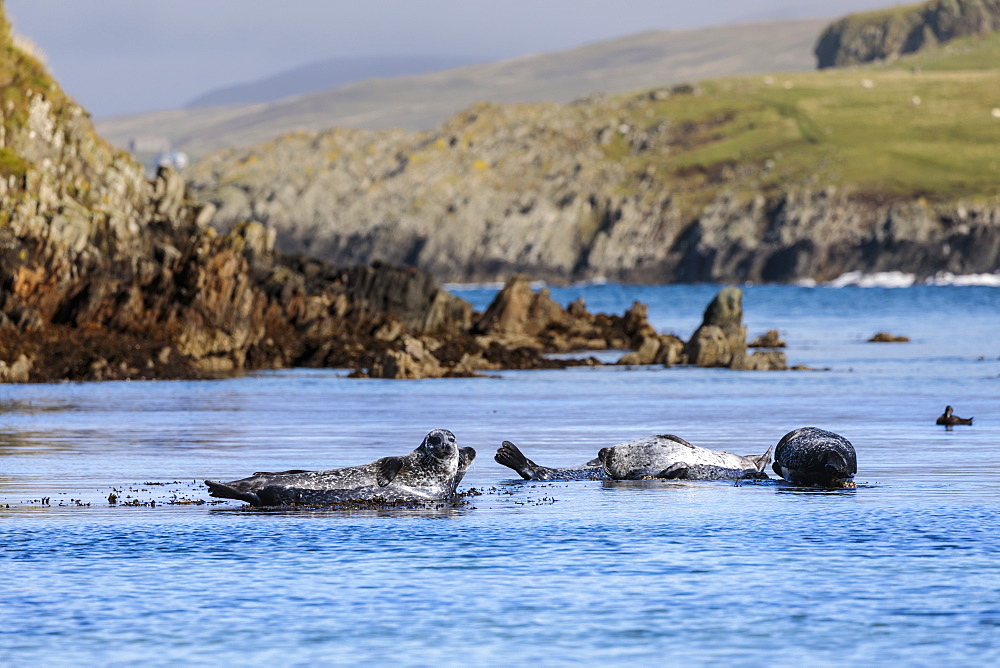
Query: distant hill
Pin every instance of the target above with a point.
(422, 102)
(890, 33)
(324, 75)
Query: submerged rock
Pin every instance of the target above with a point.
(886, 337)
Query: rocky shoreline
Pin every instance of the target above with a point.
(581, 192)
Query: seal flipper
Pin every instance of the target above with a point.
(674, 472)
(387, 469)
(510, 456)
(224, 491)
(465, 457)
(761, 461)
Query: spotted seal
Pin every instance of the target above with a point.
(510, 455)
(430, 473)
(949, 419)
(671, 457)
(662, 456)
(816, 457)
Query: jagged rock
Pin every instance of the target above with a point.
(770, 339)
(709, 346)
(637, 326)
(518, 310)
(665, 349)
(721, 338)
(521, 317)
(671, 350)
(771, 360)
(646, 354)
(411, 362)
(168, 194)
(16, 372)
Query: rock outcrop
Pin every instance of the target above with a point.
(105, 275)
(721, 340)
(887, 34)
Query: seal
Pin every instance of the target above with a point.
(510, 456)
(431, 472)
(664, 456)
(816, 457)
(672, 458)
(949, 420)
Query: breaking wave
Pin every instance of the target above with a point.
(898, 279)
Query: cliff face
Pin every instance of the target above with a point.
(864, 38)
(734, 181)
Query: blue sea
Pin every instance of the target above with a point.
(905, 569)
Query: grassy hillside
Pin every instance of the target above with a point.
(923, 125)
(422, 102)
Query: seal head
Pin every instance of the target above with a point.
(816, 457)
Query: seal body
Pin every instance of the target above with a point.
(813, 456)
(510, 456)
(671, 457)
(431, 472)
(949, 419)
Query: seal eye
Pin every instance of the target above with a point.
(434, 440)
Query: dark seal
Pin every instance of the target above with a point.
(816, 457)
(430, 473)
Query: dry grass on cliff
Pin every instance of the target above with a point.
(921, 126)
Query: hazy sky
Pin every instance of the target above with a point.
(126, 56)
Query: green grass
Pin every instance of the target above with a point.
(921, 126)
(11, 164)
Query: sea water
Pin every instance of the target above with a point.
(904, 569)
